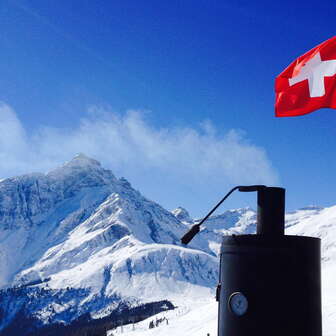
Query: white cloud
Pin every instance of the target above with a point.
(178, 161)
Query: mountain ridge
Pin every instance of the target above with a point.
(80, 227)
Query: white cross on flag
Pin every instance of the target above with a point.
(309, 83)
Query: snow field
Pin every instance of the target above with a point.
(197, 318)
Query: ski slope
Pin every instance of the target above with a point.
(198, 318)
(329, 300)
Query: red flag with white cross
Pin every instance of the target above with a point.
(309, 83)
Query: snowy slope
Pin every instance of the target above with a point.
(194, 318)
(199, 317)
(316, 222)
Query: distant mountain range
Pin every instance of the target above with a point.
(78, 240)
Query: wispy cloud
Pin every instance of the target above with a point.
(177, 160)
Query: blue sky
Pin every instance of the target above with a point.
(199, 74)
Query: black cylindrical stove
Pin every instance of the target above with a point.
(270, 283)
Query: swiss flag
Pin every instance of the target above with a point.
(309, 83)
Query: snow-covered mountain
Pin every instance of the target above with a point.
(182, 215)
(239, 221)
(79, 229)
(78, 240)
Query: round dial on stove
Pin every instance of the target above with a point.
(238, 303)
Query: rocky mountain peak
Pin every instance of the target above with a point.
(82, 171)
(81, 160)
(182, 215)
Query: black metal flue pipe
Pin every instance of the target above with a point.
(271, 211)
